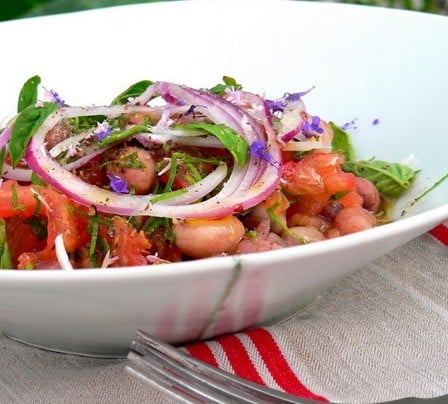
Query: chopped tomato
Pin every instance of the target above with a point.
(309, 204)
(279, 199)
(339, 182)
(25, 235)
(300, 178)
(163, 248)
(316, 173)
(324, 163)
(16, 199)
(128, 245)
(27, 201)
(351, 200)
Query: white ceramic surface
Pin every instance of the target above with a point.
(366, 63)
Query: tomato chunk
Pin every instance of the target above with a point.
(61, 215)
(129, 245)
(339, 182)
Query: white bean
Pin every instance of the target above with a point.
(200, 238)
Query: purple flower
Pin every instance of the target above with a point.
(294, 97)
(376, 121)
(275, 105)
(102, 130)
(259, 150)
(53, 96)
(281, 104)
(309, 129)
(118, 184)
(349, 125)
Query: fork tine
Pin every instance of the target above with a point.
(187, 378)
(170, 384)
(178, 380)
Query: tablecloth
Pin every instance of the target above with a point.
(377, 335)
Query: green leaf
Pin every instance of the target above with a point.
(342, 143)
(28, 93)
(233, 141)
(83, 123)
(123, 134)
(391, 179)
(133, 91)
(2, 158)
(25, 126)
(5, 258)
(229, 82)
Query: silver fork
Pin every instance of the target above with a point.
(189, 380)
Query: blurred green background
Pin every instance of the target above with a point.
(10, 9)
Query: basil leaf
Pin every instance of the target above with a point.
(233, 141)
(28, 93)
(133, 91)
(5, 258)
(229, 82)
(25, 126)
(391, 179)
(341, 143)
(123, 134)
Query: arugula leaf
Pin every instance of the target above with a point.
(342, 143)
(28, 93)
(25, 126)
(233, 141)
(229, 82)
(133, 91)
(5, 258)
(391, 179)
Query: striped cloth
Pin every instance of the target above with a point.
(378, 335)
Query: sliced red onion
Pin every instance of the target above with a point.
(18, 174)
(245, 187)
(306, 145)
(61, 253)
(176, 136)
(5, 136)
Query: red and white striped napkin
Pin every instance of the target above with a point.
(376, 336)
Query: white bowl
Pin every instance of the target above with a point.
(366, 63)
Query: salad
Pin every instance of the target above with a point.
(169, 173)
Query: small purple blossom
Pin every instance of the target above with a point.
(275, 105)
(376, 121)
(53, 96)
(118, 184)
(102, 130)
(259, 150)
(310, 129)
(294, 97)
(349, 125)
(281, 104)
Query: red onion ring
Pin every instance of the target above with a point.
(246, 186)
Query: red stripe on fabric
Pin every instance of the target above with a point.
(278, 366)
(239, 359)
(202, 352)
(440, 233)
